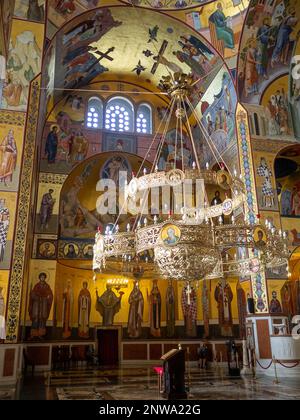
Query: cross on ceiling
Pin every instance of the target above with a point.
(101, 57)
(106, 54)
(160, 54)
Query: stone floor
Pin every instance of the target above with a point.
(140, 383)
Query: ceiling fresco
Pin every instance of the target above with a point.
(142, 44)
(270, 31)
(169, 4)
(220, 22)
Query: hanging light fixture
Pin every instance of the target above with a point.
(189, 240)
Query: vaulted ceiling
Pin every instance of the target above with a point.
(132, 44)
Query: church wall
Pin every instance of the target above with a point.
(24, 62)
(275, 60)
(11, 127)
(18, 34)
(276, 286)
(51, 176)
(59, 275)
(25, 41)
(260, 160)
(4, 278)
(270, 150)
(23, 11)
(6, 13)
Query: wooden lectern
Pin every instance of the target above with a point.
(174, 370)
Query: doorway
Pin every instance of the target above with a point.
(108, 347)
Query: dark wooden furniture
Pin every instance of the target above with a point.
(28, 361)
(174, 371)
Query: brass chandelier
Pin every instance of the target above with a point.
(188, 239)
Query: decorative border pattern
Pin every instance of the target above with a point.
(258, 281)
(22, 215)
(13, 118)
(49, 178)
(270, 146)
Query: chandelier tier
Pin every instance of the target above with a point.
(188, 239)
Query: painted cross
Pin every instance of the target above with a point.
(101, 56)
(160, 55)
(106, 54)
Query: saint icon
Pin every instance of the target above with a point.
(170, 235)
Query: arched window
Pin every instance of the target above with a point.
(143, 123)
(251, 125)
(95, 113)
(119, 115)
(256, 123)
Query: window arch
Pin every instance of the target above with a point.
(251, 125)
(94, 113)
(256, 123)
(143, 122)
(119, 115)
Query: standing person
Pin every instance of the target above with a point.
(205, 308)
(4, 225)
(40, 303)
(275, 305)
(170, 309)
(189, 309)
(2, 75)
(8, 158)
(295, 201)
(70, 146)
(224, 296)
(155, 310)
(51, 145)
(286, 27)
(46, 209)
(136, 311)
(202, 356)
(108, 304)
(35, 11)
(267, 190)
(68, 300)
(251, 74)
(84, 311)
(2, 316)
(263, 37)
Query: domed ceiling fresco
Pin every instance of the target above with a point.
(113, 43)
